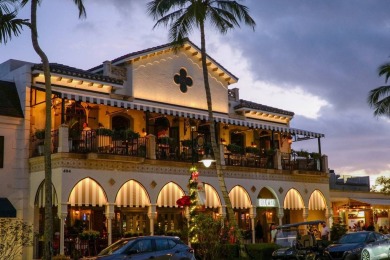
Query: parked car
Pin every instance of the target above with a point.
(294, 245)
(148, 247)
(378, 250)
(350, 245)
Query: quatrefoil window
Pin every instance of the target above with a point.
(183, 80)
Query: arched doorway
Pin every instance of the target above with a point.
(170, 217)
(241, 204)
(131, 209)
(266, 212)
(293, 207)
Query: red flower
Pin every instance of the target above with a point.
(184, 201)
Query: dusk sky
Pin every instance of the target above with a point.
(318, 59)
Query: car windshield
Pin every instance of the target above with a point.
(115, 248)
(353, 238)
(286, 238)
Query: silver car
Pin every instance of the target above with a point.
(148, 247)
(380, 249)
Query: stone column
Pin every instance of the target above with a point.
(62, 214)
(151, 147)
(252, 216)
(63, 139)
(152, 215)
(110, 214)
(305, 213)
(280, 216)
(328, 216)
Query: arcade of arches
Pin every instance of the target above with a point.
(134, 211)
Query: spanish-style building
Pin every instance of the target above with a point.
(125, 134)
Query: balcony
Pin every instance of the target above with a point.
(103, 141)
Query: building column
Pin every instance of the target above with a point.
(280, 215)
(328, 216)
(305, 213)
(152, 215)
(110, 214)
(252, 216)
(62, 214)
(278, 160)
(63, 139)
(151, 147)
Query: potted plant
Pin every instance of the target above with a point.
(89, 235)
(303, 153)
(315, 155)
(234, 148)
(252, 150)
(104, 131)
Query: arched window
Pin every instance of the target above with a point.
(120, 122)
(237, 138)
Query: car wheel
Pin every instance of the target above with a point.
(365, 255)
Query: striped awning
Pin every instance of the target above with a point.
(87, 192)
(167, 109)
(169, 194)
(132, 194)
(212, 198)
(293, 200)
(239, 198)
(317, 201)
(40, 196)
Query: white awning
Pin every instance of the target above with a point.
(40, 196)
(293, 200)
(239, 198)
(167, 109)
(374, 202)
(169, 194)
(87, 192)
(212, 198)
(132, 194)
(317, 201)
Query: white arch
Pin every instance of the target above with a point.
(317, 201)
(40, 196)
(87, 192)
(169, 194)
(293, 200)
(239, 198)
(132, 194)
(212, 198)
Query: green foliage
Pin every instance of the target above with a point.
(125, 135)
(89, 235)
(302, 153)
(337, 231)
(14, 235)
(104, 131)
(314, 155)
(234, 148)
(207, 231)
(164, 140)
(250, 149)
(186, 143)
(40, 134)
(382, 184)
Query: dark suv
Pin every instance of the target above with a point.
(148, 247)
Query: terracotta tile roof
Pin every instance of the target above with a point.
(142, 52)
(75, 72)
(9, 100)
(256, 106)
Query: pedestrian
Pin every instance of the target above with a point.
(325, 232)
(273, 233)
(259, 232)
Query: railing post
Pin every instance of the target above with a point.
(278, 160)
(151, 147)
(324, 163)
(63, 139)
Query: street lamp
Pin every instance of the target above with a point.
(207, 160)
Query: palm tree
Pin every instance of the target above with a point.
(48, 230)
(9, 24)
(182, 16)
(379, 98)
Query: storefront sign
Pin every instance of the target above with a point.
(267, 203)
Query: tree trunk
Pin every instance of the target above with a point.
(48, 229)
(217, 154)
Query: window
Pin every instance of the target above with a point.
(1, 151)
(162, 244)
(142, 246)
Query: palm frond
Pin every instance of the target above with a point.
(80, 6)
(384, 70)
(10, 26)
